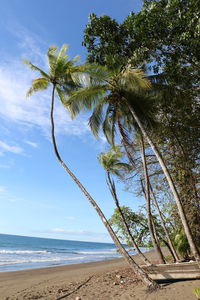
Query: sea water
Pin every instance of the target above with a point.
(20, 252)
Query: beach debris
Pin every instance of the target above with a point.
(119, 276)
(78, 298)
(76, 289)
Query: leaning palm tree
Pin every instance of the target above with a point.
(171, 246)
(148, 204)
(121, 90)
(63, 77)
(112, 165)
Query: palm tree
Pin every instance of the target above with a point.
(63, 76)
(112, 165)
(148, 202)
(122, 90)
(171, 246)
(127, 146)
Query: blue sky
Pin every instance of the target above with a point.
(36, 197)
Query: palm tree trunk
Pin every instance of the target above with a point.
(193, 247)
(173, 251)
(148, 202)
(113, 192)
(135, 267)
(124, 143)
(133, 164)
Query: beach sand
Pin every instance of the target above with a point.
(105, 280)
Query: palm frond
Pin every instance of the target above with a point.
(124, 132)
(96, 118)
(57, 60)
(124, 166)
(51, 54)
(133, 79)
(98, 74)
(81, 78)
(38, 84)
(160, 79)
(84, 99)
(75, 58)
(108, 127)
(62, 96)
(62, 53)
(34, 68)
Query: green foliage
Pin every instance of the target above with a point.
(168, 44)
(106, 92)
(181, 244)
(196, 292)
(169, 48)
(137, 224)
(110, 36)
(111, 162)
(61, 73)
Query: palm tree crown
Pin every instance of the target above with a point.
(60, 73)
(105, 94)
(110, 161)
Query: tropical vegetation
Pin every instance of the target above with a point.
(140, 85)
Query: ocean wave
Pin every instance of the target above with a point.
(25, 261)
(101, 252)
(23, 251)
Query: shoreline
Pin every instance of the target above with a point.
(100, 280)
(69, 264)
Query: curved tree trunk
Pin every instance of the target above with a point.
(124, 142)
(153, 238)
(136, 268)
(111, 186)
(193, 247)
(173, 251)
(169, 243)
(148, 202)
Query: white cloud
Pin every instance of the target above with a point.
(4, 147)
(33, 112)
(32, 144)
(28, 42)
(15, 79)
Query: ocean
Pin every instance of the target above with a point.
(20, 252)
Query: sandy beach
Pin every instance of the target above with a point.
(111, 279)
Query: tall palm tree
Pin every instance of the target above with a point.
(171, 246)
(112, 165)
(120, 89)
(63, 77)
(148, 202)
(127, 146)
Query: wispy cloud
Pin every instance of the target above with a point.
(4, 147)
(32, 144)
(33, 112)
(15, 79)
